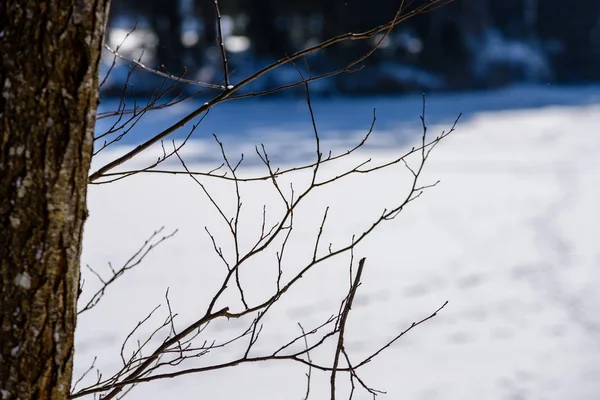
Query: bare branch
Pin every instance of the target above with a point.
(226, 95)
(177, 78)
(147, 363)
(135, 260)
(342, 325)
(221, 43)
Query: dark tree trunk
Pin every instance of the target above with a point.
(197, 54)
(166, 22)
(49, 57)
(572, 27)
(205, 11)
(475, 18)
(267, 36)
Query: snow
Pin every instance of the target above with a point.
(23, 280)
(509, 238)
(526, 61)
(411, 76)
(15, 350)
(15, 222)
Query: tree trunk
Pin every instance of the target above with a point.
(166, 23)
(49, 58)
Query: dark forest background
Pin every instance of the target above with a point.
(468, 44)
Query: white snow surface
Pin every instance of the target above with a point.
(510, 237)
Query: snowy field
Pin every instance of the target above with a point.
(510, 237)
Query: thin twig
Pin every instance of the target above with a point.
(342, 325)
(221, 44)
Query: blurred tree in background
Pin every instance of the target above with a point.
(468, 44)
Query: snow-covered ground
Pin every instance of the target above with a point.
(510, 238)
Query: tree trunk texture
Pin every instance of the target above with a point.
(49, 58)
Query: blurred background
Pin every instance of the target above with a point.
(468, 44)
(509, 237)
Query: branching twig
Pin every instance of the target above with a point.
(342, 325)
(226, 95)
(133, 262)
(165, 360)
(221, 41)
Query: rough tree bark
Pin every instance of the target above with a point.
(49, 58)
